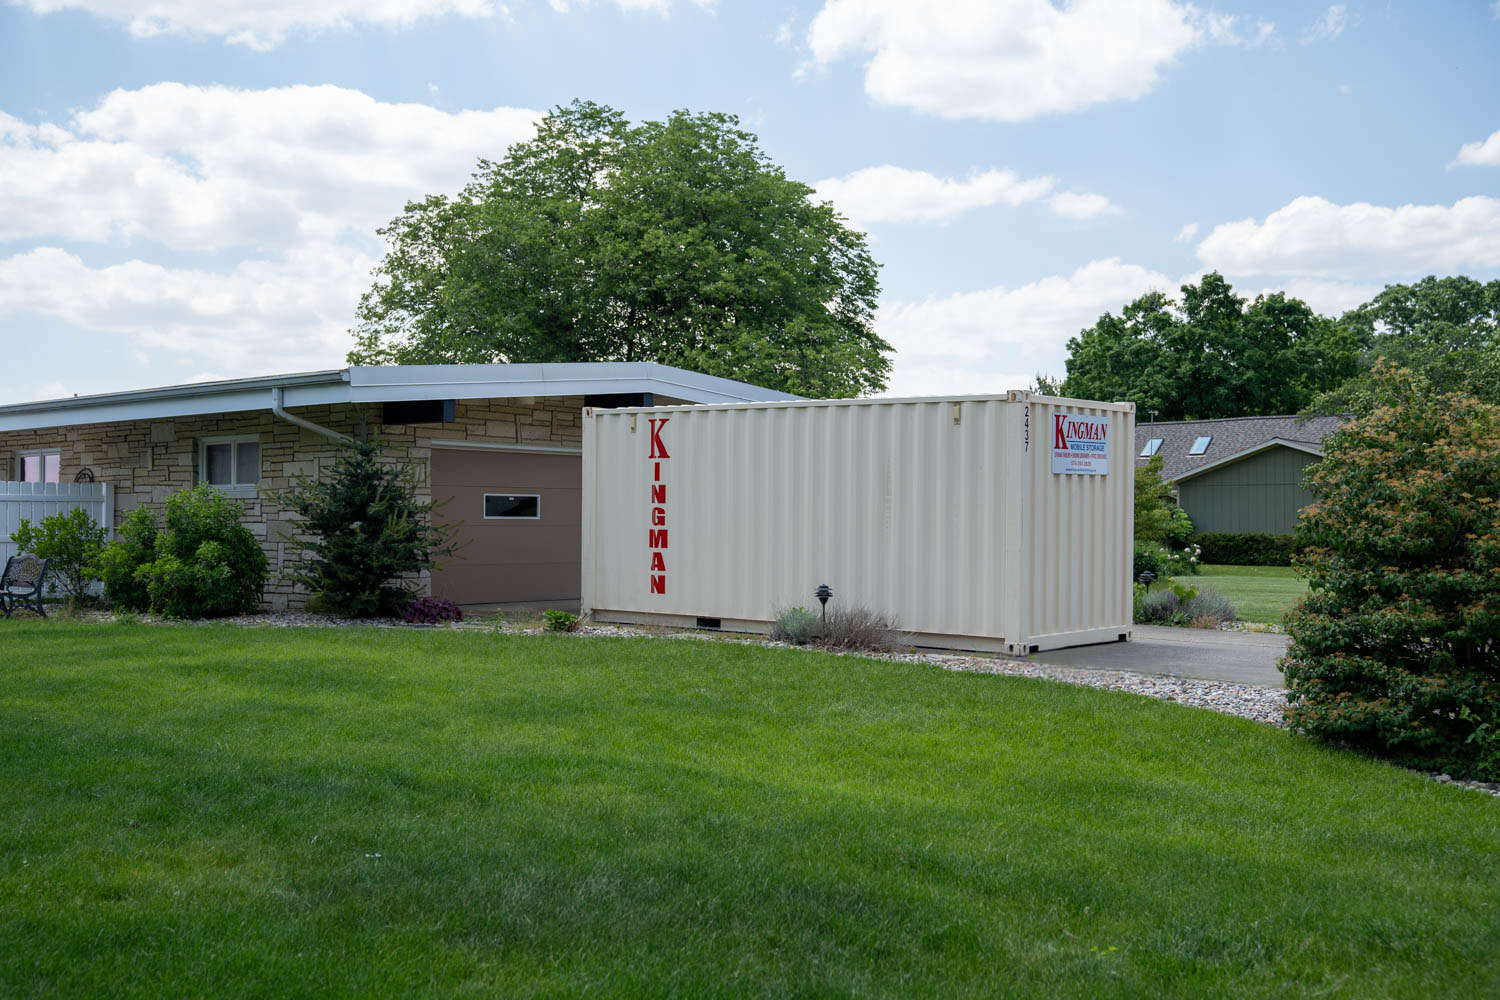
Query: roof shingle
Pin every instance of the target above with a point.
(1229, 437)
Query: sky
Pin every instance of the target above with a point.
(192, 190)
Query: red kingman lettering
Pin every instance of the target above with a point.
(657, 538)
(658, 450)
(658, 583)
(659, 493)
(658, 516)
(658, 564)
(658, 471)
(1059, 436)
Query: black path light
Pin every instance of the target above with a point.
(1147, 577)
(823, 593)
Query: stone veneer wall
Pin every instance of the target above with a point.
(148, 460)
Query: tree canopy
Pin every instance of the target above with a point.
(1443, 332)
(599, 240)
(1211, 354)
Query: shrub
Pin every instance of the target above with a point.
(1208, 608)
(1396, 647)
(1154, 519)
(1163, 563)
(1179, 531)
(121, 559)
(364, 529)
(1227, 548)
(205, 563)
(70, 542)
(857, 628)
(561, 621)
(797, 626)
(1178, 605)
(431, 611)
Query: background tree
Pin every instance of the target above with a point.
(1444, 332)
(1211, 355)
(363, 530)
(1396, 648)
(675, 241)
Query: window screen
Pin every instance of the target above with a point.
(1200, 445)
(41, 468)
(231, 463)
(220, 471)
(512, 505)
(1152, 447)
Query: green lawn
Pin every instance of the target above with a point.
(229, 812)
(1259, 593)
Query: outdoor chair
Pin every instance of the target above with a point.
(21, 586)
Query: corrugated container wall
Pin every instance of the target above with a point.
(945, 513)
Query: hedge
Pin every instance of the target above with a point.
(1231, 548)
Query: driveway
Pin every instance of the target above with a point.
(1237, 657)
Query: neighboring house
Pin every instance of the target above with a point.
(499, 447)
(1242, 474)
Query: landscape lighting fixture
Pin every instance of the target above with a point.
(823, 593)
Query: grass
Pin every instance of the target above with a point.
(267, 812)
(1258, 593)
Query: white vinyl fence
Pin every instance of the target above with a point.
(34, 501)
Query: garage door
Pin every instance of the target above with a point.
(517, 520)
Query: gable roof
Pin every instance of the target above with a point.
(1232, 439)
(384, 384)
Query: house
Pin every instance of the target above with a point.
(498, 447)
(1242, 474)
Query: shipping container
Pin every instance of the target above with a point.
(998, 523)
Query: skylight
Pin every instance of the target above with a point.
(1152, 447)
(1200, 445)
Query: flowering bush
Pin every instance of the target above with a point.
(432, 611)
(1396, 648)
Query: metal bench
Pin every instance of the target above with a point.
(21, 586)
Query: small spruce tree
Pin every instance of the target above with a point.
(363, 529)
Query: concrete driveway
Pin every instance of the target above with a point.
(1237, 657)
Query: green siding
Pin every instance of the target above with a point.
(1260, 493)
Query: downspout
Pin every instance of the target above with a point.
(280, 411)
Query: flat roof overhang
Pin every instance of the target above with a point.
(384, 384)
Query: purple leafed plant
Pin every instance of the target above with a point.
(432, 611)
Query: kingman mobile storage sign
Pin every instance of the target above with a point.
(941, 512)
(1080, 444)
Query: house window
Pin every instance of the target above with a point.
(1152, 447)
(1200, 445)
(230, 463)
(38, 466)
(526, 506)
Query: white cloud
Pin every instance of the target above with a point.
(1082, 205)
(1328, 298)
(895, 194)
(1187, 232)
(1315, 238)
(1485, 153)
(1328, 27)
(1230, 29)
(264, 24)
(213, 167)
(1013, 60)
(998, 338)
(263, 316)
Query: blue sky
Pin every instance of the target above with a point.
(193, 192)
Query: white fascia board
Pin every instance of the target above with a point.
(236, 396)
(1246, 453)
(385, 383)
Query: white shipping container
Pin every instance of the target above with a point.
(961, 517)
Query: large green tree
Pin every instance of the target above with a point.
(1211, 354)
(1443, 332)
(602, 240)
